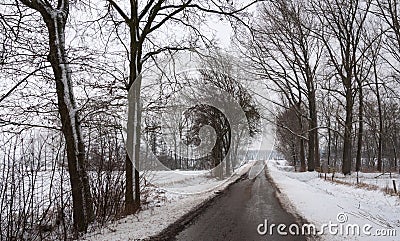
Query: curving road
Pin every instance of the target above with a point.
(238, 212)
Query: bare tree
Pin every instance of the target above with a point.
(55, 16)
(143, 22)
(344, 24)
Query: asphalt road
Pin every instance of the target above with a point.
(238, 212)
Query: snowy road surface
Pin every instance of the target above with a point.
(239, 211)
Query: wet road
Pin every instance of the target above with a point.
(238, 212)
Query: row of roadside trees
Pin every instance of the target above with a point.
(335, 68)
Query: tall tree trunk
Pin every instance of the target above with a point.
(329, 142)
(55, 20)
(336, 138)
(302, 156)
(316, 149)
(311, 152)
(294, 155)
(313, 148)
(301, 140)
(130, 154)
(135, 68)
(129, 201)
(395, 146)
(132, 195)
(137, 143)
(360, 128)
(346, 164)
(380, 134)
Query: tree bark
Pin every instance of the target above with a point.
(329, 142)
(380, 136)
(302, 151)
(132, 175)
(137, 143)
(55, 20)
(360, 128)
(313, 150)
(135, 68)
(346, 165)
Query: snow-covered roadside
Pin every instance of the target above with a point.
(152, 221)
(322, 202)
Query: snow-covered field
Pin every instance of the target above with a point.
(182, 190)
(378, 180)
(323, 203)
